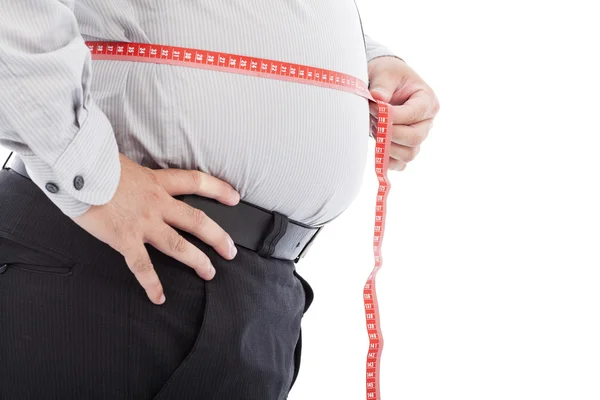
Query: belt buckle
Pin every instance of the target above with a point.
(310, 242)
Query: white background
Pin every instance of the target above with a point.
(491, 282)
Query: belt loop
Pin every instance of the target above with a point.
(273, 235)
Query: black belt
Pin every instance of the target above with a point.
(248, 225)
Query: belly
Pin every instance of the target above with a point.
(293, 148)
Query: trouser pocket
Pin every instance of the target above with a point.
(23, 255)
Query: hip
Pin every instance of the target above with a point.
(99, 337)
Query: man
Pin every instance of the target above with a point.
(108, 177)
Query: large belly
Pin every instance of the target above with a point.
(288, 147)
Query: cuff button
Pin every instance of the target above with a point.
(51, 187)
(78, 182)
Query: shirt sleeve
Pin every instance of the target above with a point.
(46, 113)
(375, 49)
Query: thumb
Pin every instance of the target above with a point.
(382, 88)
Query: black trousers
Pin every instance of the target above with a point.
(75, 324)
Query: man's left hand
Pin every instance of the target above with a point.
(414, 106)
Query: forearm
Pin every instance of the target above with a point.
(46, 112)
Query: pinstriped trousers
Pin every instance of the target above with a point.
(75, 324)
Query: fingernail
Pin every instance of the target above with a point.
(233, 198)
(232, 248)
(211, 272)
(381, 93)
(162, 299)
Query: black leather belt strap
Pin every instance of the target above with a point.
(248, 225)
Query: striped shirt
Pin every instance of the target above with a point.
(296, 149)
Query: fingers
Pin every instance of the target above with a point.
(171, 243)
(139, 263)
(396, 165)
(194, 221)
(177, 182)
(411, 135)
(419, 107)
(385, 77)
(373, 109)
(385, 91)
(403, 153)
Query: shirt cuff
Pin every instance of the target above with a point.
(375, 50)
(88, 171)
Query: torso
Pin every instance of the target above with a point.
(293, 148)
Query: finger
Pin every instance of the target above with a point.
(411, 135)
(138, 261)
(403, 153)
(419, 107)
(396, 165)
(168, 241)
(382, 85)
(190, 219)
(178, 181)
(383, 93)
(373, 109)
(373, 126)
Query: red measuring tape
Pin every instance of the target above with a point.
(271, 69)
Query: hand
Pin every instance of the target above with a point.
(143, 210)
(414, 105)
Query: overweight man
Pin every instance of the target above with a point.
(152, 215)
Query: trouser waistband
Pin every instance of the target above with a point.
(269, 233)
